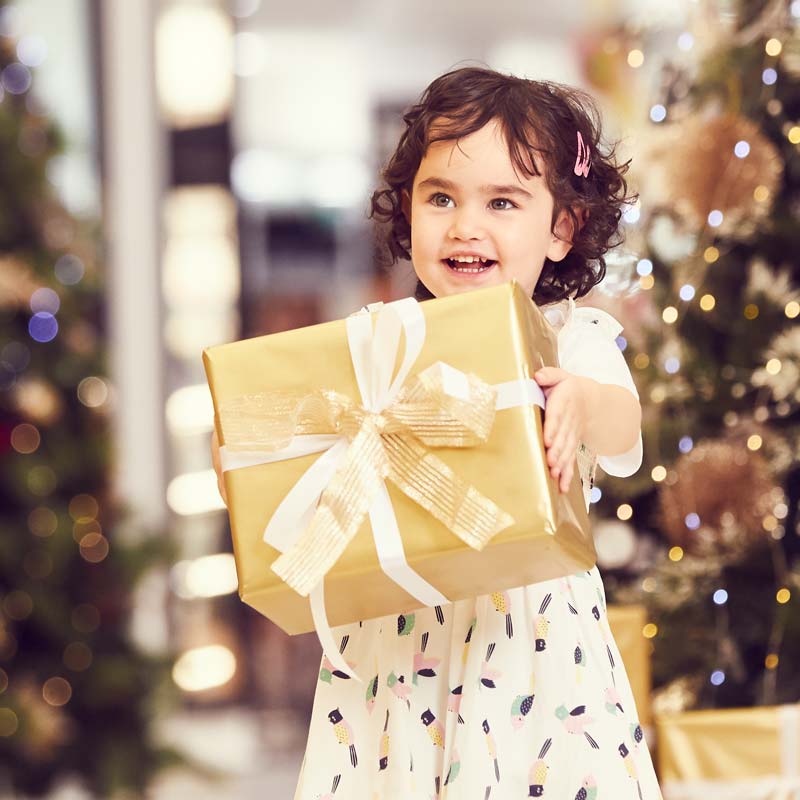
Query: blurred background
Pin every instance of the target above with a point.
(176, 174)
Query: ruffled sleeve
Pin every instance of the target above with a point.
(587, 346)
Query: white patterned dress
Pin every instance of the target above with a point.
(511, 695)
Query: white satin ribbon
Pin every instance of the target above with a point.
(374, 355)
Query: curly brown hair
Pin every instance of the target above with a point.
(536, 117)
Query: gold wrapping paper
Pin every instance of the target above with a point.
(389, 445)
(499, 335)
(750, 745)
(626, 623)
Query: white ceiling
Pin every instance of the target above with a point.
(328, 64)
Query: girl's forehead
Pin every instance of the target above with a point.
(482, 152)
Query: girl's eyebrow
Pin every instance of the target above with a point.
(449, 186)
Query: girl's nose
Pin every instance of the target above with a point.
(466, 224)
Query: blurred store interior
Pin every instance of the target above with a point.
(224, 153)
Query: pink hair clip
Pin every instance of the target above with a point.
(582, 162)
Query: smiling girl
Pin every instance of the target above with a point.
(520, 693)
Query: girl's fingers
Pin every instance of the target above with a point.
(568, 445)
(566, 479)
(568, 456)
(547, 376)
(559, 445)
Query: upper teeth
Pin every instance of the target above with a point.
(468, 259)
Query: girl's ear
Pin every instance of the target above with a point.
(405, 205)
(564, 231)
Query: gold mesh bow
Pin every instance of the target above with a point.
(391, 444)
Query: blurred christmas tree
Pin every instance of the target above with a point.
(76, 697)
(715, 349)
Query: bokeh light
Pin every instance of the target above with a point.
(32, 50)
(43, 327)
(93, 392)
(25, 438)
(45, 300)
(720, 597)
(644, 266)
(41, 480)
(83, 507)
(42, 521)
(18, 604)
(672, 365)
(635, 58)
(204, 668)
(69, 270)
(707, 302)
(94, 547)
(624, 511)
(57, 691)
(16, 78)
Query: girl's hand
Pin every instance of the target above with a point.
(215, 460)
(564, 420)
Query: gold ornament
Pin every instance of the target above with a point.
(692, 170)
(729, 488)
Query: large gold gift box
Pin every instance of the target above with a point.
(497, 334)
(741, 753)
(627, 623)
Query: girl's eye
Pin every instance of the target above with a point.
(435, 199)
(503, 200)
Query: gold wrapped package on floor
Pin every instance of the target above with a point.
(478, 511)
(627, 623)
(730, 754)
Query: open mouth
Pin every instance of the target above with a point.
(469, 267)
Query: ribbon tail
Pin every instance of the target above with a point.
(324, 632)
(341, 510)
(293, 514)
(391, 555)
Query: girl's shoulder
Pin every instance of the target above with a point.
(567, 318)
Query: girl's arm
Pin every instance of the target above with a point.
(613, 418)
(605, 417)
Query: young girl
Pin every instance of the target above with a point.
(498, 178)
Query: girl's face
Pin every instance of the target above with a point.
(468, 201)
